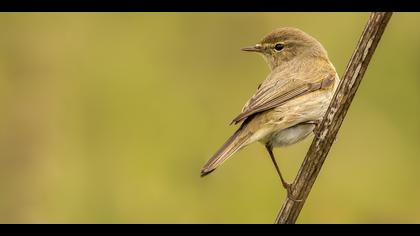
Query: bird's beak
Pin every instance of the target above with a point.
(255, 48)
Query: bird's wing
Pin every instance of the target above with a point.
(276, 92)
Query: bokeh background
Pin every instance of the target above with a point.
(108, 118)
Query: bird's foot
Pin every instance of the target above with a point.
(290, 196)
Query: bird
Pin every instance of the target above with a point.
(289, 104)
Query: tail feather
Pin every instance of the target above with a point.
(232, 145)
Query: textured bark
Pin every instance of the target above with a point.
(334, 116)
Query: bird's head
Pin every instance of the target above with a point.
(286, 44)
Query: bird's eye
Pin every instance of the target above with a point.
(279, 46)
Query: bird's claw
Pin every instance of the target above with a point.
(288, 188)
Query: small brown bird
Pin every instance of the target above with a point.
(289, 104)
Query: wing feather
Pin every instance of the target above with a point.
(275, 93)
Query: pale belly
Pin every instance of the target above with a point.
(291, 135)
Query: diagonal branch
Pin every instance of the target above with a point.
(334, 116)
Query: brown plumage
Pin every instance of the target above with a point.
(289, 102)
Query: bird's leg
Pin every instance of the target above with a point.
(286, 185)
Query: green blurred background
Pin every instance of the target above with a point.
(108, 118)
